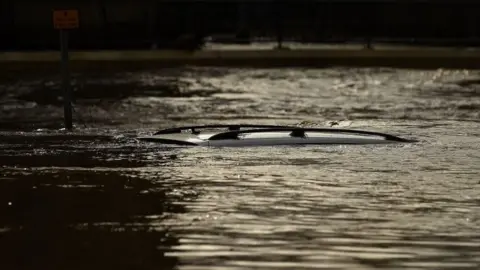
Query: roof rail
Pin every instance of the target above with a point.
(300, 132)
(234, 127)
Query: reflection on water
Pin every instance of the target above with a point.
(97, 198)
(333, 207)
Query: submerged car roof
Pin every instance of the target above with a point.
(192, 135)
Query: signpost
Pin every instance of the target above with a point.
(64, 20)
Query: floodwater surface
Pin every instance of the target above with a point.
(96, 198)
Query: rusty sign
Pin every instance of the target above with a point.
(65, 19)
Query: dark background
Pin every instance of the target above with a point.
(138, 24)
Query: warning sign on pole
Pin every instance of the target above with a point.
(65, 19)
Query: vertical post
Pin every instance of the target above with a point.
(67, 95)
(63, 20)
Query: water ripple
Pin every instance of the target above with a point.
(97, 198)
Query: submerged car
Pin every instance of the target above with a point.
(267, 135)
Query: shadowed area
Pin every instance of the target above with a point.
(67, 203)
(64, 150)
(50, 93)
(64, 219)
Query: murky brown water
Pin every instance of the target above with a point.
(98, 199)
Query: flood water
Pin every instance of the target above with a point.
(96, 198)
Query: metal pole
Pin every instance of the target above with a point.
(67, 95)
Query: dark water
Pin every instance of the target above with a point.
(96, 198)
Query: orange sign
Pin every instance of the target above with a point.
(65, 19)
